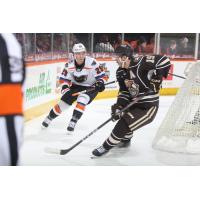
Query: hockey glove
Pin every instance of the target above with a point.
(64, 89)
(122, 74)
(155, 83)
(115, 112)
(99, 86)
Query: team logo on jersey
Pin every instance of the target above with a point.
(80, 76)
(80, 79)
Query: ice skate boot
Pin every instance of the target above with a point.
(99, 151)
(124, 144)
(46, 122)
(71, 125)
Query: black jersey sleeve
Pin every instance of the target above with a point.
(121, 75)
(123, 96)
(160, 66)
(160, 63)
(163, 65)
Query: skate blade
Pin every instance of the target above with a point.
(95, 157)
(51, 150)
(98, 157)
(43, 128)
(70, 133)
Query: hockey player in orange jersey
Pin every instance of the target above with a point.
(81, 73)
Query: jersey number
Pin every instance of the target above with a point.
(150, 59)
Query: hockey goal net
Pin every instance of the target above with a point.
(180, 129)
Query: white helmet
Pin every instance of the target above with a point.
(77, 48)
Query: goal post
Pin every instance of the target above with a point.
(179, 132)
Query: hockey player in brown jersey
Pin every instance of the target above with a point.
(139, 77)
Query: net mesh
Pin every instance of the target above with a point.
(180, 129)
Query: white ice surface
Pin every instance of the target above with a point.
(139, 153)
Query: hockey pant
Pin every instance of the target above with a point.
(131, 121)
(67, 100)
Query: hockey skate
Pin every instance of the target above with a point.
(46, 122)
(99, 151)
(124, 144)
(71, 125)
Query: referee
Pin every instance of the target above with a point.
(12, 73)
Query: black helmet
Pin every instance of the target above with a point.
(124, 50)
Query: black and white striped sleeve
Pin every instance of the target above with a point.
(163, 66)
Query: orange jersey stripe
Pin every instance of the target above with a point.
(61, 81)
(65, 81)
(11, 99)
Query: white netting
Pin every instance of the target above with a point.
(180, 130)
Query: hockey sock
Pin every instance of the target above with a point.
(118, 133)
(78, 111)
(127, 137)
(55, 112)
(76, 115)
(58, 108)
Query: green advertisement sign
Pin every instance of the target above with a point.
(42, 88)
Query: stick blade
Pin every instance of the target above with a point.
(51, 150)
(64, 151)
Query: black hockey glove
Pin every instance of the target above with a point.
(155, 83)
(115, 109)
(122, 74)
(64, 89)
(99, 86)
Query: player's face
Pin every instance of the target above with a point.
(123, 62)
(80, 57)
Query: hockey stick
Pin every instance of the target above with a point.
(65, 151)
(177, 75)
(91, 89)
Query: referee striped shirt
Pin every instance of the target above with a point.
(12, 73)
